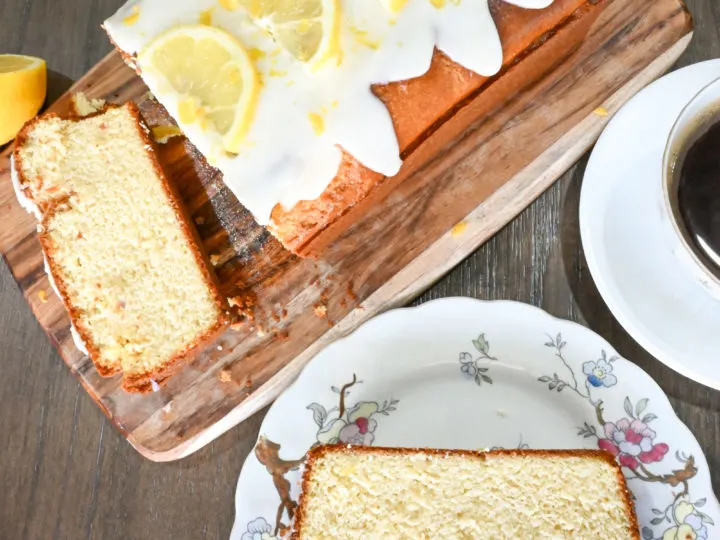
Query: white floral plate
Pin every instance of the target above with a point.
(462, 373)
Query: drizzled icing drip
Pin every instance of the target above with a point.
(291, 151)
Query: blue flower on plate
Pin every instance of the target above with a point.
(599, 373)
(467, 366)
(696, 522)
(258, 529)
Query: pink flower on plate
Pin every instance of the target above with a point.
(356, 426)
(359, 432)
(631, 442)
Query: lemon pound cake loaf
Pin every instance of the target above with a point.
(310, 107)
(117, 246)
(367, 492)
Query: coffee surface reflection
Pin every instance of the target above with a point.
(698, 195)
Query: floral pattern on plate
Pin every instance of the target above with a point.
(629, 439)
(348, 424)
(635, 446)
(537, 382)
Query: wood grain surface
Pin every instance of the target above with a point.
(65, 473)
(491, 159)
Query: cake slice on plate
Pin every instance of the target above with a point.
(365, 492)
(118, 248)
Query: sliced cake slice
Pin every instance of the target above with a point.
(117, 245)
(365, 492)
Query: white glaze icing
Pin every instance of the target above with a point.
(24, 201)
(282, 159)
(32, 208)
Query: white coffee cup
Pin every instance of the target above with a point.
(694, 120)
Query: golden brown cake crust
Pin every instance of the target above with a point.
(137, 383)
(318, 452)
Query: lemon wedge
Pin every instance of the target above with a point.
(210, 78)
(307, 29)
(23, 83)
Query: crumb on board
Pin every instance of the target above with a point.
(167, 410)
(219, 347)
(162, 134)
(284, 335)
(601, 111)
(43, 295)
(214, 259)
(82, 105)
(248, 383)
(320, 310)
(350, 292)
(238, 325)
(225, 375)
(458, 229)
(244, 303)
(284, 313)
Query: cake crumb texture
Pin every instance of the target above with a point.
(128, 268)
(381, 493)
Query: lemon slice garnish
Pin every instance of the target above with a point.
(23, 83)
(307, 29)
(211, 76)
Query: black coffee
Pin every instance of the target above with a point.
(699, 195)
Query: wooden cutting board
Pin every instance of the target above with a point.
(419, 231)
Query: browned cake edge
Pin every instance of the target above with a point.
(144, 382)
(319, 452)
(304, 230)
(300, 230)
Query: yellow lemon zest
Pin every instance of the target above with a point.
(317, 122)
(206, 16)
(362, 38)
(230, 5)
(133, 17)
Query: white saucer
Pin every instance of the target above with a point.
(627, 241)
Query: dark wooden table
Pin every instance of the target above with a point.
(65, 473)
